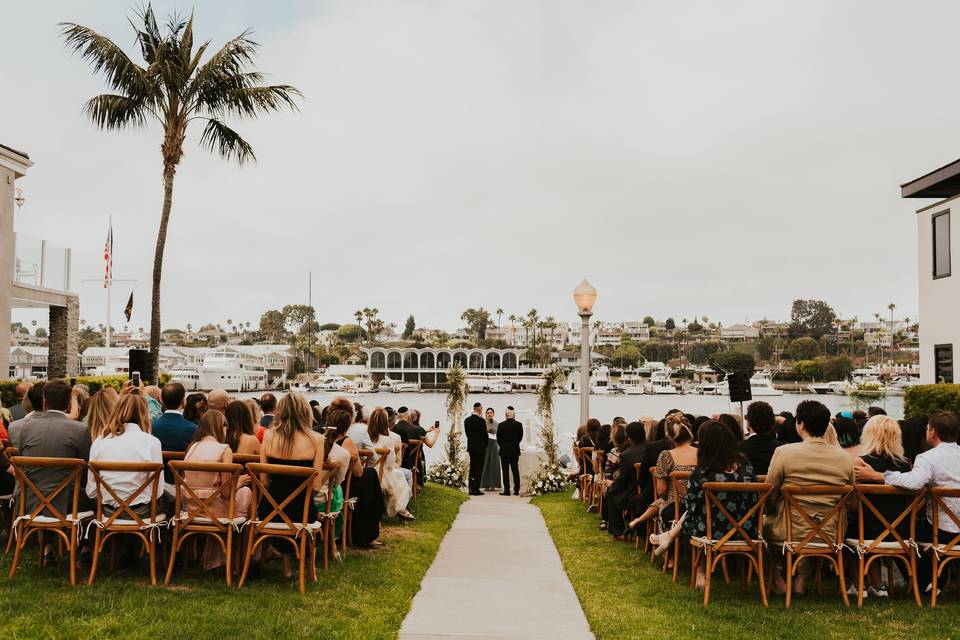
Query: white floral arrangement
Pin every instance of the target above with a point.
(549, 479)
(448, 475)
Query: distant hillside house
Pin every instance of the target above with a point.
(740, 333)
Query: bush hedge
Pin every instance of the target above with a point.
(923, 399)
(8, 394)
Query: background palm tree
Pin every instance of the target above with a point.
(499, 313)
(175, 89)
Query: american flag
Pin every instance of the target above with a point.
(108, 258)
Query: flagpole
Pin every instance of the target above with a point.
(109, 284)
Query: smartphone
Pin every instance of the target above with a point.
(73, 382)
(135, 379)
(436, 424)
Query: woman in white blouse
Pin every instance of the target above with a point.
(126, 438)
(396, 489)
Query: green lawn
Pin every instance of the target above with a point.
(366, 596)
(625, 596)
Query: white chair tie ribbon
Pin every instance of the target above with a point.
(351, 503)
(16, 522)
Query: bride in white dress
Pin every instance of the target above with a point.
(396, 489)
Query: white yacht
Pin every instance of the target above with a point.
(189, 377)
(660, 383)
(761, 384)
(330, 383)
(632, 384)
(232, 371)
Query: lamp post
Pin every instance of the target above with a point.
(584, 296)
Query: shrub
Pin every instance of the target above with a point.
(8, 387)
(926, 398)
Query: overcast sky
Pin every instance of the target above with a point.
(687, 158)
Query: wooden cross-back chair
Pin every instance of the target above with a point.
(193, 512)
(679, 481)
(890, 543)
(597, 480)
(818, 542)
(381, 462)
(245, 458)
(365, 456)
(586, 478)
(124, 520)
(416, 453)
(736, 542)
(45, 516)
(10, 452)
(300, 534)
(942, 551)
(653, 524)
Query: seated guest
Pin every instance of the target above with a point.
(682, 457)
(195, 407)
(17, 411)
(876, 411)
(126, 438)
(174, 432)
(81, 394)
(848, 433)
(913, 434)
(268, 405)
(882, 450)
(218, 399)
(291, 440)
(154, 400)
(622, 488)
(241, 434)
(732, 423)
(396, 486)
(589, 441)
(786, 430)
(209, 445)
(759, 447)
(939, 466)
(99, 410)
(254, 406)
(365, 488)
(48, 433)
(718, 460)
(33, 402)
(338, 421)
(618, 443)
(657, 443)
(810, 462)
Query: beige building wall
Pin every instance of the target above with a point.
(939, 298)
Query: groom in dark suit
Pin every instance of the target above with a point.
(476, 429)
(509, 437)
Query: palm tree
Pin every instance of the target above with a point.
(513, 329)
(499, 313)
(175, 89)
(533, 317)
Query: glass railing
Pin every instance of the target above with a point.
(40, 263)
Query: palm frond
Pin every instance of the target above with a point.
(148, 37)
(218, 137)
(105, 56)
(247, 102)
(231, 59)
(111, 111)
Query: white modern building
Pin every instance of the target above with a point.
(939, 290)
(740, 333)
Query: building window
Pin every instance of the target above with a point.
(941, 245)
(943, 363)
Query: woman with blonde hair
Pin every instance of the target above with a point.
(682, 457)
(99, 410)
(396, 490)
(881, 447)
(126, 438)
(291, 440)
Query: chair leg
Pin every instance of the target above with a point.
(73, 556)
(912, 563)
(11, 536)
(763, 587)
(42, 549)
(725, 569)
(229, 556)
(173, 556)
(676, 558)
(246, 561)
(935, 578)
(694, 563)
(151, 551)
(21, 542)
(789, 572)
(707, 572)
(96, 556)
(861, 570)
(843, 584)
(303, 559)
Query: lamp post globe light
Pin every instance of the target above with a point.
(584, 296)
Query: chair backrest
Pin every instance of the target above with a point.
(201, 506)
(173, 455)
(415, 452)
(73, 467)
(601, 461)
(11, 451)
(941, 507)
(586, 459)
(817, 517)
(638, 470)
(866, 509)
(679, 480)
(577, 457)
(737, 531)
(382, 454)
(260, 470)
(123, 510)
(366, 455)
(246, 458)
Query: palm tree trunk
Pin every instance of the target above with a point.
(168, 174)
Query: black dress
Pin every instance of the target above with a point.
(368, 510)
(280, 488)
(890, 506)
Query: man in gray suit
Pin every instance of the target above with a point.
(51, 434)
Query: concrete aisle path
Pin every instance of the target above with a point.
(497, 575)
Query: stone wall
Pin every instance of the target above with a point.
(64, 339)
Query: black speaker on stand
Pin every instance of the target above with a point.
(140, 361)
(739, 385)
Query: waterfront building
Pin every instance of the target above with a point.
(428, 366)
(28, 362)
(608, 335)
(636, 331)
(34, 273)
(740, 333)
(939, 290)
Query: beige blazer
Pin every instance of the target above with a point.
(811, 462)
